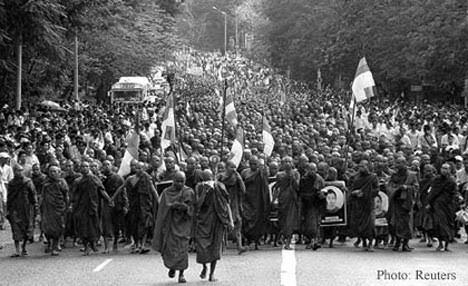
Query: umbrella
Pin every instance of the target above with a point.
(53, 106)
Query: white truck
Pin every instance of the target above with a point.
(135, 89)
(130, 89)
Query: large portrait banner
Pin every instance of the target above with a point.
(335, 209)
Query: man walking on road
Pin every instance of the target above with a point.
(174, 225)
(88, 193)
(113, 218)
(440, 202)
(364, 188)
(213, 214)
(53, 208)
(20, 201)
(143, 201)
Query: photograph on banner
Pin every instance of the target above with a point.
(381, 209)
(273, 216)
(335, 209)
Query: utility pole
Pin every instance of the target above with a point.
(225, 28)
(19, 70)
(237, 32)
(75, 85)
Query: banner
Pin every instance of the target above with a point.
(335, 210)
(381, 209)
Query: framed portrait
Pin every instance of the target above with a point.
(335, 208)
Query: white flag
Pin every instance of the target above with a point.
(237, 149)
(268, 140)
(168, 124)
(363, 82)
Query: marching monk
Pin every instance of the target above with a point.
(256, 204)
(173, 226)
(401, 188)
(313, 202)
(213, 214)
(236, 189)
(143, 201)
(113, 218)
(286, 190)
(364, 188)
(21, 199)
(440, 202)
(88, 192)
(53, 208)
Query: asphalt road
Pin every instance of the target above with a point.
(342, 265)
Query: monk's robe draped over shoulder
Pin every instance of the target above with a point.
(143, 203)
(361, 221)
(256, 204)
(109, 215)
(53, 207)
(173, 227)
(212, 215)
(313, 203)
(286, 188)
(87, 194)
(21, 206)
(423, 219)
(236, 190)
(441, 199)
(401, 202)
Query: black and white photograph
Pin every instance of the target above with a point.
(233, 142)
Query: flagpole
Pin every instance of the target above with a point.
(222, 118)
(171, 93)
(350, 129)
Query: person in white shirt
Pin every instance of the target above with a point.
(450, 141)
(6, 175)
(414, 135)
(462, 182)
(427, 140)
(405, 141)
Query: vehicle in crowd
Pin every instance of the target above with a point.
(133, 89)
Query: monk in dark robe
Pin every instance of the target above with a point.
(53, 209)
(256, 204)
(143, 201)
(88, 191)
(193, 177)
(423, 218)
(192, 174)
(70, 177)
(113, 218)
(364, 188)
(401, 191)
(213, 215)
(38, 179)
(174, 225)
(236, 189)
(312, 204)
(286, 189)
(441, 203)
(21, 199)
(169, 173)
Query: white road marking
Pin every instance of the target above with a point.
(288, 267)
(102, 265)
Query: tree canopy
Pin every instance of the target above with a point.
(405, 42)
(116, 38)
